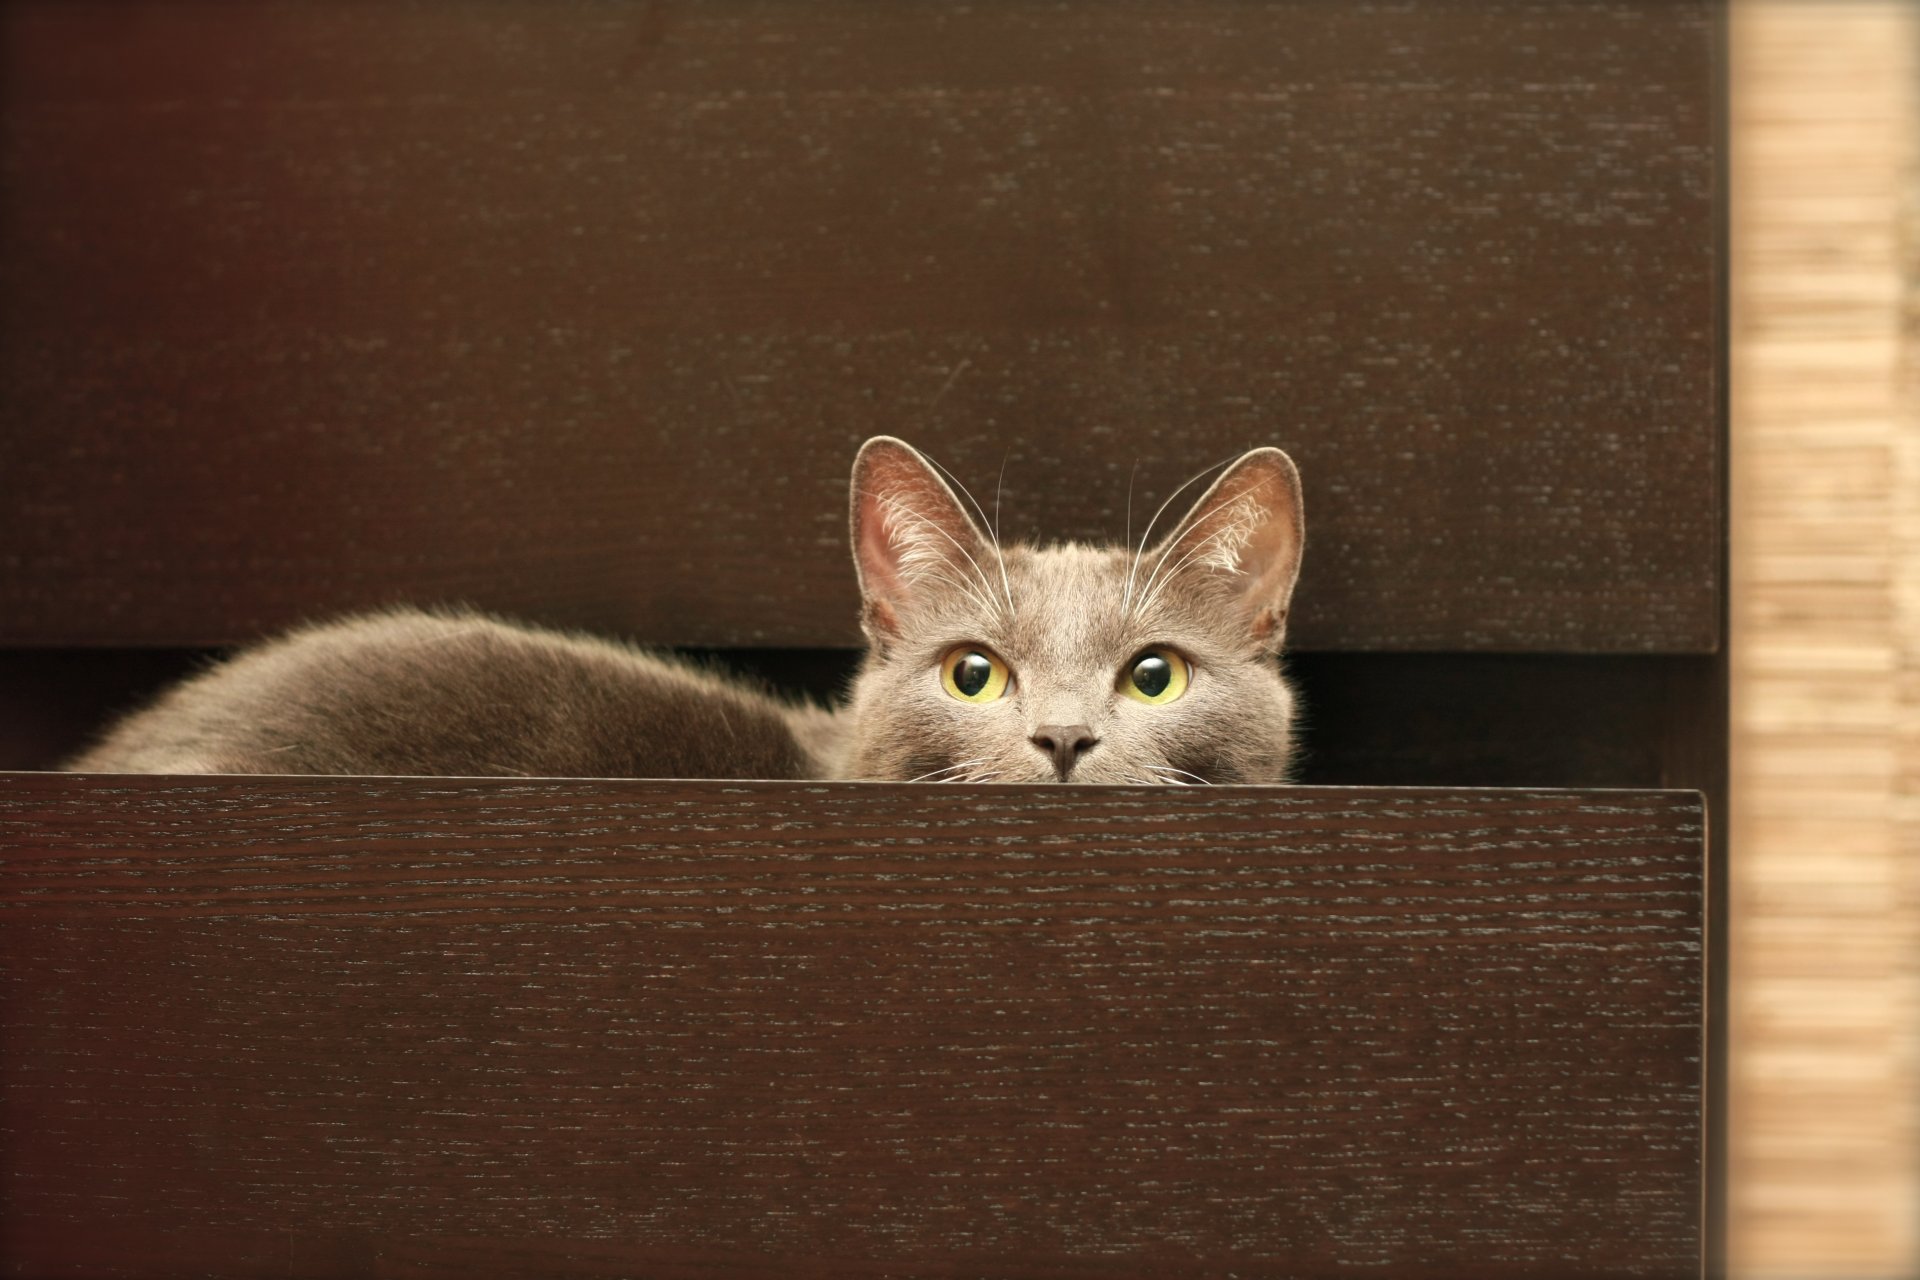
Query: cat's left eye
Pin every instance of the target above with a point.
(1157, 676)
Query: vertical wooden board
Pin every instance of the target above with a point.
(337, 1025)
(578, 310)
(1825, 895)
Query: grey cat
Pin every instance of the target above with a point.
(1019, 664)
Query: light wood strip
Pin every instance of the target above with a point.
(1826, 626)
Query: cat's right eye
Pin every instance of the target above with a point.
(974, 674)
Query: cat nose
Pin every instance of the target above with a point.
(1064, 742)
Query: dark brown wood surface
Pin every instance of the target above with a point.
(578, 309)
(334, 1026)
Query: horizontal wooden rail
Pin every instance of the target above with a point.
(577, 310)
(330, 1026)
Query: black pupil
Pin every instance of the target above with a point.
(1152, 675)
(971, 673)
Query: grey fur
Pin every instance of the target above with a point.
(459, 693)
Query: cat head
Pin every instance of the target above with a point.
(1153, 664)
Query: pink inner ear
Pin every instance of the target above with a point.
(905, 519)
(1272, 555)
(879, 554)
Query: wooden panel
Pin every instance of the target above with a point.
(325, 1026)
(1826, 891)
(577, 310)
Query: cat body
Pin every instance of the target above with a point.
(462, 694)
(1016, 664)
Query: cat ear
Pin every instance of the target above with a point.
(1246, 532)
(909, 533)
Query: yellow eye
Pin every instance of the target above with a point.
(1158, 675)
(973, 674)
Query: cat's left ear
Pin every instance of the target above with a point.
(1246, 533)
(912, 540)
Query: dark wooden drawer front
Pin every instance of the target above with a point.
(351, 1026)
(578, 310)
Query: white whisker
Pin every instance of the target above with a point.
(1150, 593)
(993, 526)
(947, 385)
(1131, 475)
(1000, 482)
(1126, 604)
(964, 764)
(913, 561)
(1241, 518)
(986, 604)
(1167, 768)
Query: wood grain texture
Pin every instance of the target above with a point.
(352, 1026)
(1826, 891)
(578, 310)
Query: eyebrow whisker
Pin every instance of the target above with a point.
(993, 526)
(1126, 604)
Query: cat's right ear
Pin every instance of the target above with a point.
(910, 535)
